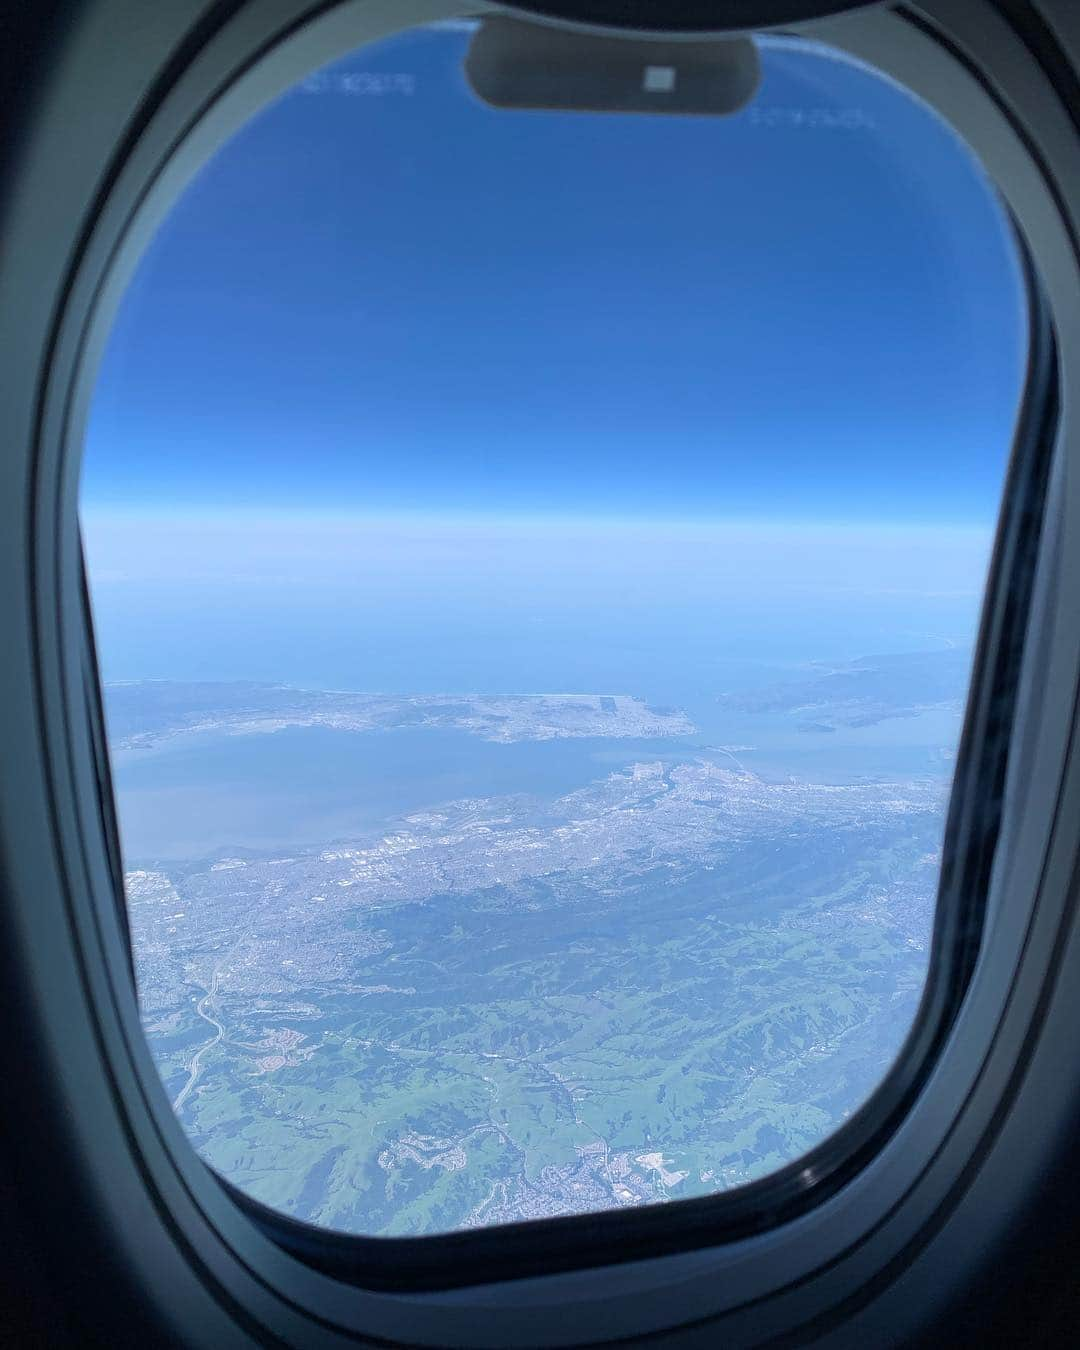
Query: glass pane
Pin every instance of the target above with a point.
(536, 557)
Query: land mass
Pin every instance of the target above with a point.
(146, 712)
(865, 692)
(666, 982)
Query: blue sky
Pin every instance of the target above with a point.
(412, 394)
(405, 301)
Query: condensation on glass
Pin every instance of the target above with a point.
(536, 555)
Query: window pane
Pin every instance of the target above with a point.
(536, 557)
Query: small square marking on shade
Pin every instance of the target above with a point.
(658, 79)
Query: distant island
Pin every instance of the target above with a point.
(145, 712)
(865, 692)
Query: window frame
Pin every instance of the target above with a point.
(254, 55)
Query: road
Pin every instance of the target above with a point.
(195, 1067)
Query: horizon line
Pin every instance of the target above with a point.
(246, 516)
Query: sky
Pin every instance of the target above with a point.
(392, 343)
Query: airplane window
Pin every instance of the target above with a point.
(536, 553)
